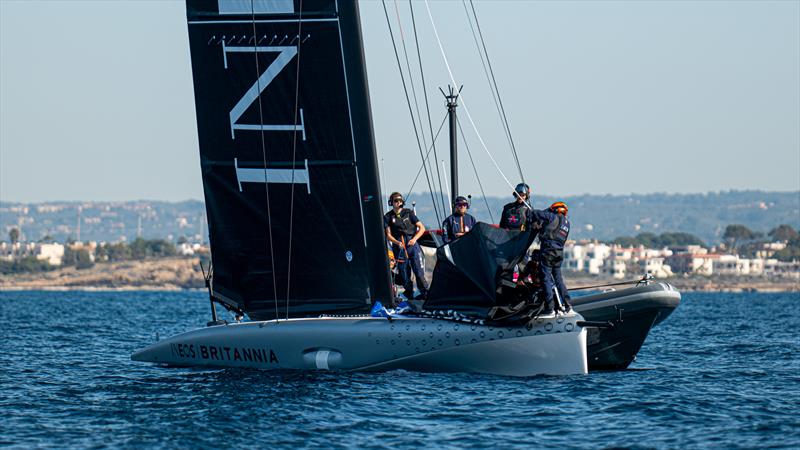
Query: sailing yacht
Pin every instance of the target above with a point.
(294, 208)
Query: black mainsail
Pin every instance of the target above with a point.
(288, 157)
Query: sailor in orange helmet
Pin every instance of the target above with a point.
(554, 230)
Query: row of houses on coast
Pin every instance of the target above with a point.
(53, 252)
(616, 261)
(588, 257)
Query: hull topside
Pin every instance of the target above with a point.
(554, 346)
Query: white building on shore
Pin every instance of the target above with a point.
(625, 262)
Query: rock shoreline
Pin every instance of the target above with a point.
(174, 274)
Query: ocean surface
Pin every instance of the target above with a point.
(722, 372)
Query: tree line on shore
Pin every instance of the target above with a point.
(737, 238)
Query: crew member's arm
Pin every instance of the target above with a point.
(538, 218)
(420, 231)
(391, 238)
(446, 231)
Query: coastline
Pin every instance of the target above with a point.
(178, 274)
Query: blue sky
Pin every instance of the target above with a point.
(96, 98)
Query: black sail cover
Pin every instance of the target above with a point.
(469, 270)
(287, 156)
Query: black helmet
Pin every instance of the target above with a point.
(522, 188)
(396, 195)
(461, 200)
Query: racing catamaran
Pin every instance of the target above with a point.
(293, 201)
(295, 216)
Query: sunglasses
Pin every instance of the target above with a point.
(397, 200)
(461, 205)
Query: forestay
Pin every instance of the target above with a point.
(288, 157)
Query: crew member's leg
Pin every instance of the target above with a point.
(546, 277)
(403, 271)
(415, 258)
(562, 288)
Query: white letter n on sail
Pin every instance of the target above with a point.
(285, 55)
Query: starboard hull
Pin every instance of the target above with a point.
(633, 312)
(552, 346)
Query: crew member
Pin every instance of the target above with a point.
(459, 223)
(552, 236)
(517, 214)
(403, 229)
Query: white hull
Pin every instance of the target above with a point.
(554, 346)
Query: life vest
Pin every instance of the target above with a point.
(515, 216)
(552, 237)
(400, 223)
(457, 224)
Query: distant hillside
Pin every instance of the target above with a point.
(605, 217)
(594, 216)
(105, 221)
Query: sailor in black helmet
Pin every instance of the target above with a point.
(459, 223)
(403, 229)
(517, 214)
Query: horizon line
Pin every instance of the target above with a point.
(427, 193)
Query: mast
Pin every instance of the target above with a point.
(452, 103)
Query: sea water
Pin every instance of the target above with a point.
(722, 372)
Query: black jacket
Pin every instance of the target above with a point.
(516, 216)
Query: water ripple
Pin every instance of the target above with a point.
(721, 372)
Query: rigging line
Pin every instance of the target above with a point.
(425, 95)
(294, 159)
(447, 186)
(497, 89)
(264, 156)
(464, 104)
(408, 102)
(427, 155)
(488, 78)
(475, 169)
(414, 93)
(384, 183)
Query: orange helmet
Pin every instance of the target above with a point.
(559, 208)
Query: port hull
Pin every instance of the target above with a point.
(633, 311)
